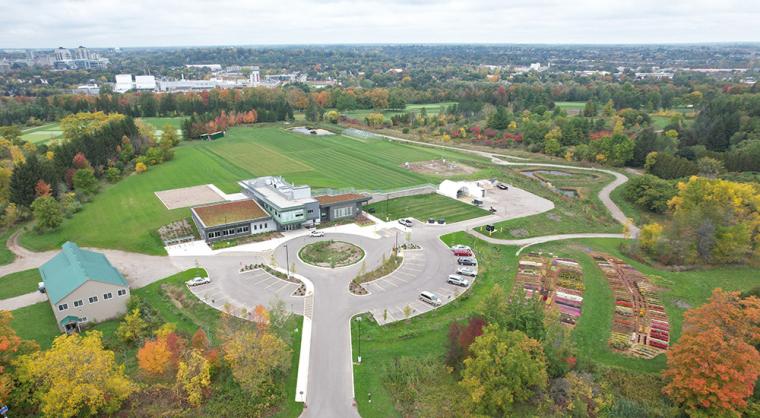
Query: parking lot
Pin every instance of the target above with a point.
(421, 270)
(248, 289)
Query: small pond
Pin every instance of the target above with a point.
(568, 192)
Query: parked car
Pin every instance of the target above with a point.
(467, 261)
(430, 298)
(431, 220)
(502, 186)
(463, 252)
(460, 247)
(441, 221)
(477, 202)
(371, 210)
(467, 271)
(458, 280)
(41, 287)
(405, 221)
(316, 233)
(198, 281)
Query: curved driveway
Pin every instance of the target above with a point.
(330, 383)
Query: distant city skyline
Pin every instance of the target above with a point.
(111, 23)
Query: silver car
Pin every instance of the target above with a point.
(458, 280)
(430, 298)
(467, 271)
(198, 281)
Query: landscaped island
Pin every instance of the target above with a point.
(331, 254)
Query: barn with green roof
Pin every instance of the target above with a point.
(82, 286)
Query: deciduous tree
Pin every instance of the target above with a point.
(504, 368)
(714, 366)
(76, 376)
(194, 377)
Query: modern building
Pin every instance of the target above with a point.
(273, 204)
(290, 206)
(341, 206)
(82, 286)
(145, 82)
(231, 220)
(123, 83)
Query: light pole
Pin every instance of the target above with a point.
(287, 260)
(359, 341)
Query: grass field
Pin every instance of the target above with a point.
(322, 162)
(42, 134)
(572, 108)
(16, 284)
(430, 108)
(426, 335)
(423, 207)
(159, 123)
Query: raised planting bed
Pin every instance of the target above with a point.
(638, 313)
(331, 254)
(557, 281)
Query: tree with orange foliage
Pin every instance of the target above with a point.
(261, 317)
(11, 346)
(154, 357)
(713, 368)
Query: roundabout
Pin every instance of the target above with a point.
(330, 254)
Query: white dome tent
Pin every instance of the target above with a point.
(460, 189)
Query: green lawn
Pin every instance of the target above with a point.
(42, 134)
(430, 108)
(36, 322)
(6, 255)
(19, 283)
(322, 162)
(571, 107)
(423, 207)
(570, 215)
(159, 123)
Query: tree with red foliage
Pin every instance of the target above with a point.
(80, 161)
(42, 188)
(460, 338)
(713, 368)
(200, 340)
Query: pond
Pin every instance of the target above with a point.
(568, 192)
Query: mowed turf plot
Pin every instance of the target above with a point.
(42, 134)
(127, 214)
(424, 207)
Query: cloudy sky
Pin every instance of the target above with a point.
(106, 23)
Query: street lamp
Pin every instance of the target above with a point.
(287, 260)
(359, 341)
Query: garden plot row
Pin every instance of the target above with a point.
(640, 325)
(557, 281)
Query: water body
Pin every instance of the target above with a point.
(532, 173)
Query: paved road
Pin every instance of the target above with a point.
(331, 307)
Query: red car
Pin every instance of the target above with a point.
(462, 252)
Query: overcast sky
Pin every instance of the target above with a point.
(108, 23)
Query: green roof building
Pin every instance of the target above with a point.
(82, 286)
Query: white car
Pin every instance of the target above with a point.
(198, 281)
(405, 222)
(457, 280)
(467, 271)
(316, 233)
(430, 298)
(460, 247)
